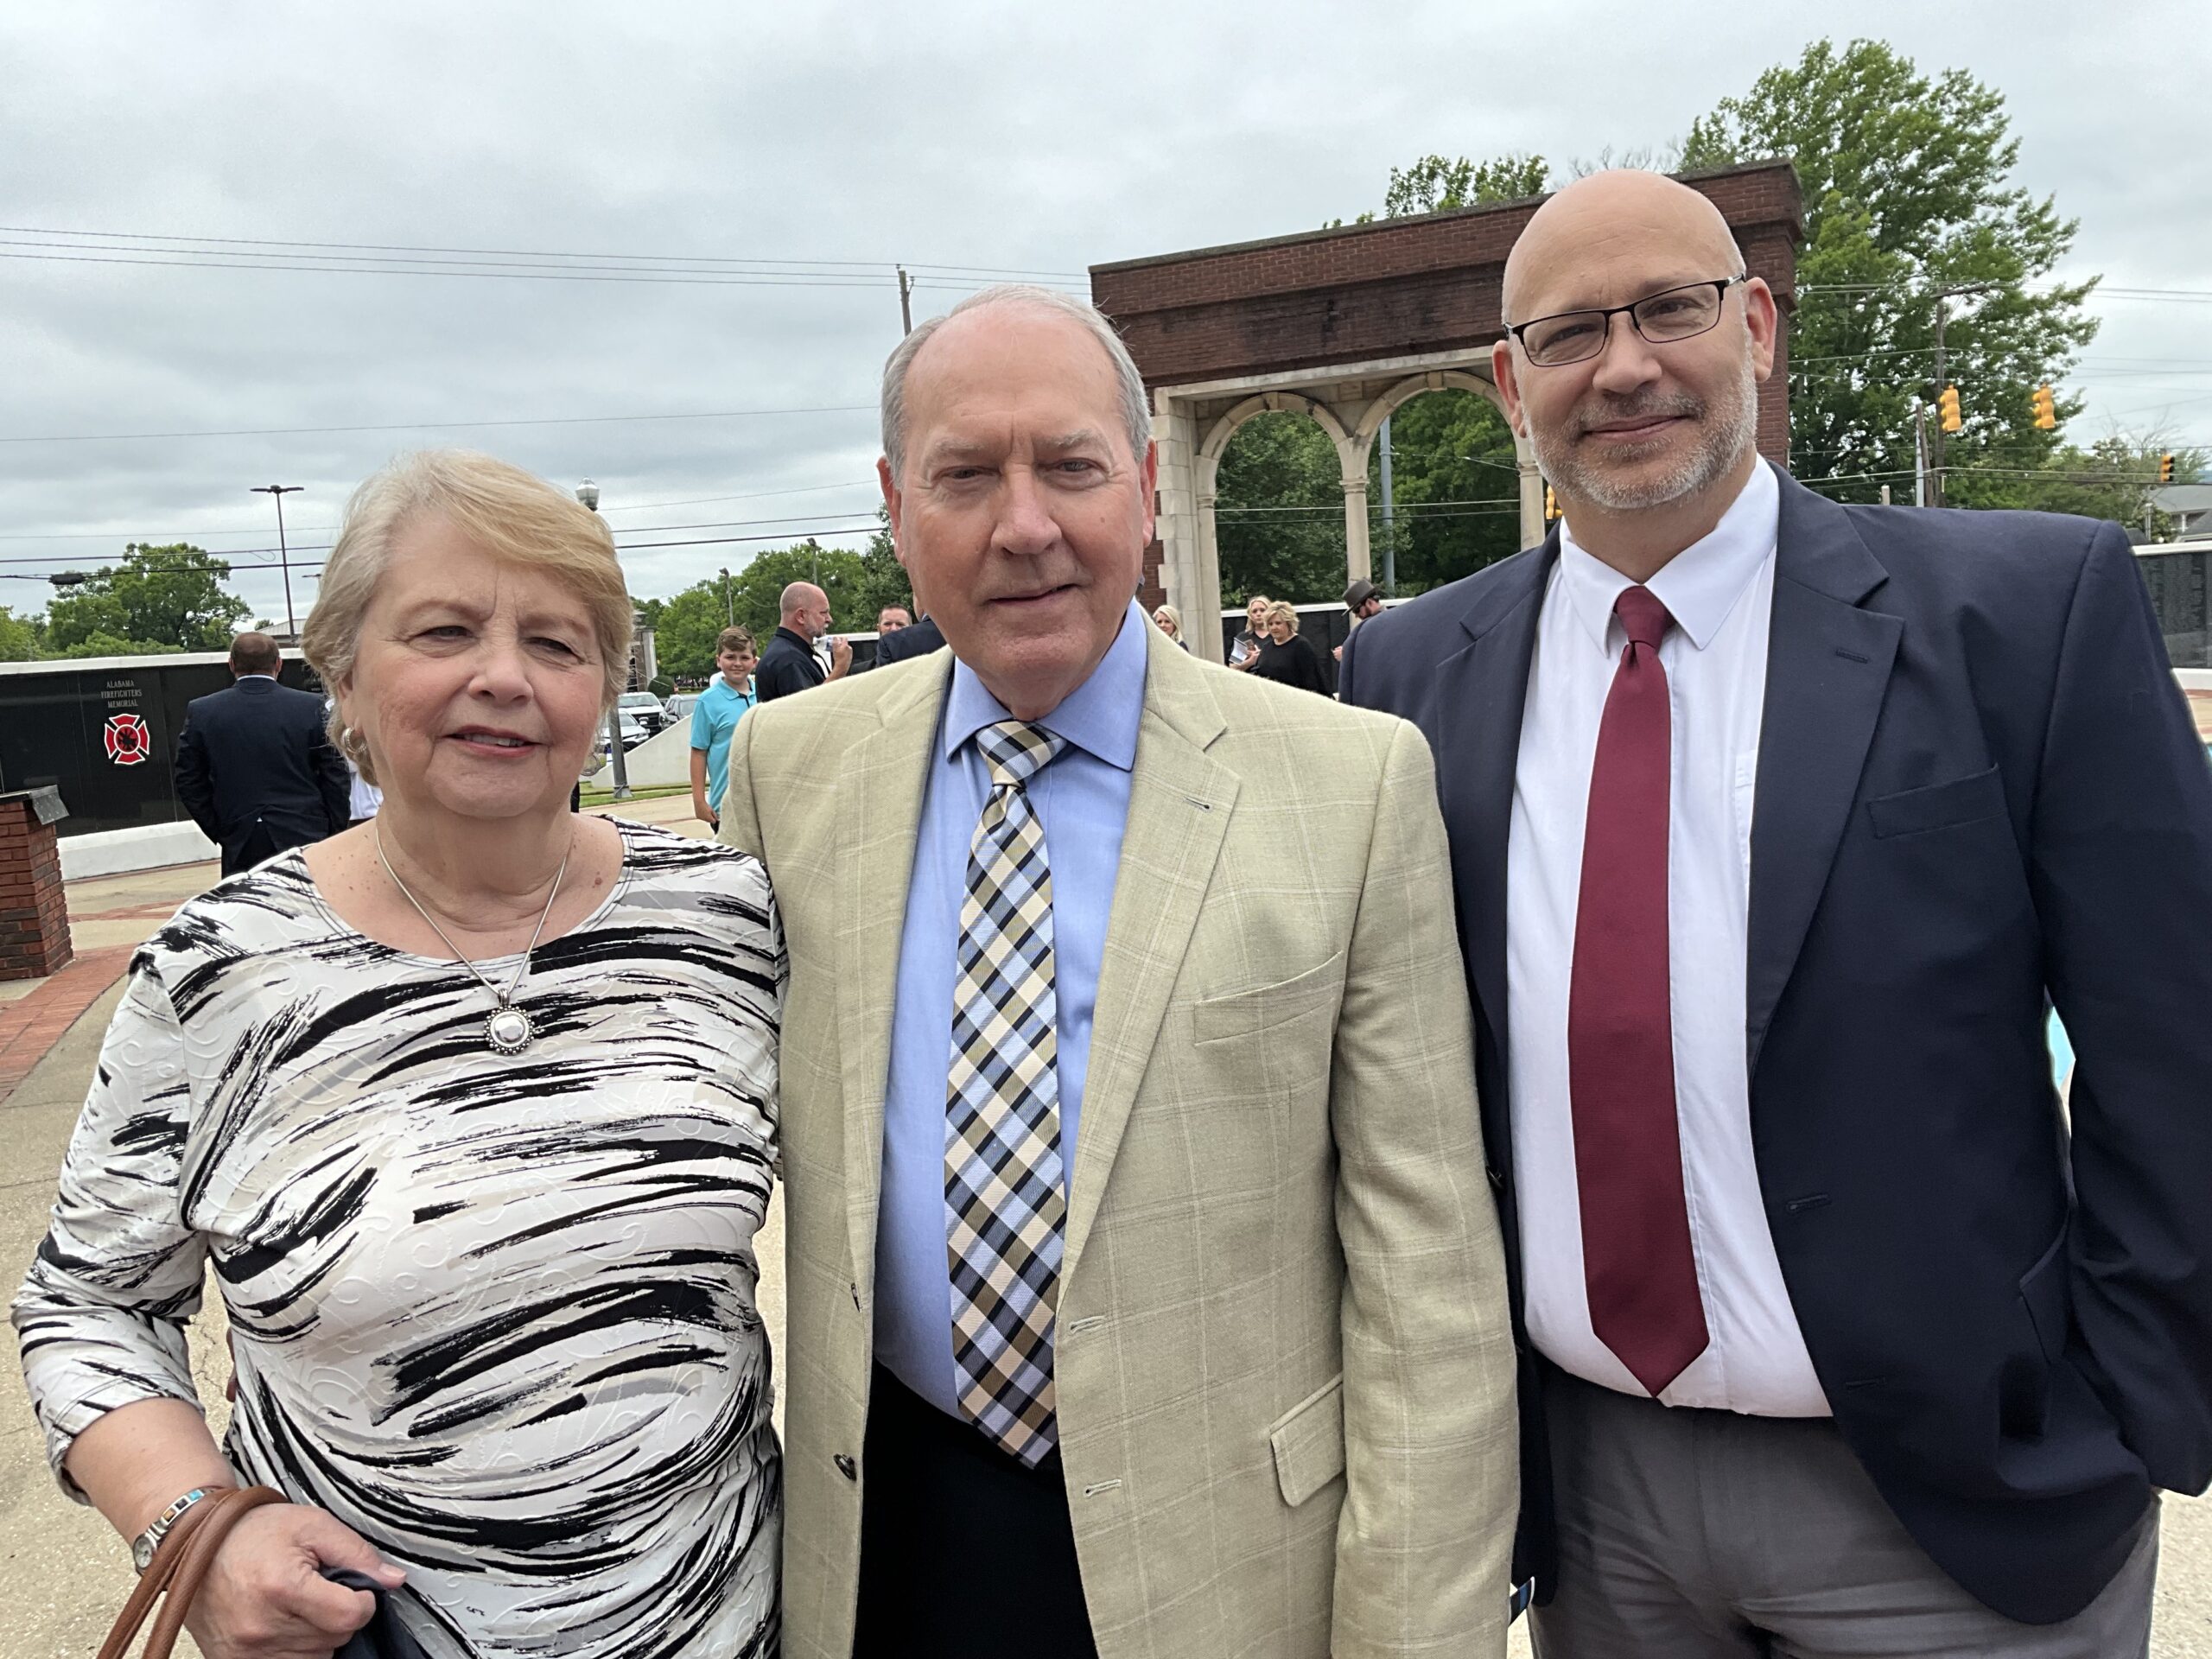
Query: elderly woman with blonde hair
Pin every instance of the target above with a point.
(470, 1108)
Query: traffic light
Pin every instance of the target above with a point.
(2166, 467)
(1551, 501)
(2046, 408)
(1947, 410)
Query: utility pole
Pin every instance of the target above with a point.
(906, 301)
(1390, 521)
(1935, 482)
(588, 492)
(729, 610)
(1919, 454)
(283, 555)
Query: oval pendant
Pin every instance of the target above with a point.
(508, 1030)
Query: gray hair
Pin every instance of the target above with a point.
(1135, 407)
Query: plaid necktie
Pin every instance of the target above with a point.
(1003, 1198)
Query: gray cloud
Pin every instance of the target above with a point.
(985, 136)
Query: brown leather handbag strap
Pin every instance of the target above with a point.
(177, 1568)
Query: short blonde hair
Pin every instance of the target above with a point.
(1281, 610)
(514, 515)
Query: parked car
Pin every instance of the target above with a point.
(680, 705)
(633, 733)
(645, 708)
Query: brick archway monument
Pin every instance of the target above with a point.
(1345, 325)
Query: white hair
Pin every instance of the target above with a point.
(1135, 408)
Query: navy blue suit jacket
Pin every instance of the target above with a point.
(1978, 787)
(255, 757)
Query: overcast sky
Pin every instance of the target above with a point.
(984, 137)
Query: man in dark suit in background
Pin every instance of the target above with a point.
(255, 765)
(1776, 826)
(917, 640)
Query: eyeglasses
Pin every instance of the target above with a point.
(1573, 336)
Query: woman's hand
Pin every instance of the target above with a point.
(264, 1597)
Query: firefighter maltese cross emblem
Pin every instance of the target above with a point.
(128, 741)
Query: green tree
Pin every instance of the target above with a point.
(1456, 493)
(2116, 477)
(161, 598)
(1434, 183)
(1908, 192)
(1279, 513)
(21, 637)
(684, 637)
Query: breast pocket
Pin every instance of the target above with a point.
(1938, 806)
(1264, 1007)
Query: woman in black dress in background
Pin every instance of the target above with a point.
(1285, 657)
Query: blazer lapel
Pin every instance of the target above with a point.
(879, 816)
(1180, 804)
(1828, 670)
(1485, 688)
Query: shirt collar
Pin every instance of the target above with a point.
(1100, 716)
(272, 677)
(1700, 585)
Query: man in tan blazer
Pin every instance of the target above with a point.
(1145, 1287)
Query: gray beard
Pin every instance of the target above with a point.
(1725, 433)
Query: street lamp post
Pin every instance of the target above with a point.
(278, 491)
(588, 492)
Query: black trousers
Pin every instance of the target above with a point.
(965, 1553)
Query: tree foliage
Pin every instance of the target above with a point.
(859, 585)
(1279, 513)
(21, 638)
(1908, 192)
(1457, 505)
(1434, 183)
(157, 599)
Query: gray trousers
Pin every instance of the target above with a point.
(1703, 1534)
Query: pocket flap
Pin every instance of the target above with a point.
(1938, 806)
(1309, 1442)
(1239, 1013)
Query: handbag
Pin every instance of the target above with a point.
(178, 1568)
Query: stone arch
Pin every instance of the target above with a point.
(1206, 470)
(1524, 458)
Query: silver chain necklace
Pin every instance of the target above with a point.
(508, 1029)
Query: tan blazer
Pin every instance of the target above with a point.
(1283, 1366)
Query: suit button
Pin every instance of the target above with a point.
(846, 1466)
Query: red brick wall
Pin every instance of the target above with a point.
(1395, 289)
(34, 913)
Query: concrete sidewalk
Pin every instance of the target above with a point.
(63, 1574)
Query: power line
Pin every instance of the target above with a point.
(539, 253)
(311, 530)
(579, 274)
(435, 426)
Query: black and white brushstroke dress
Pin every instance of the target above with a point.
(495, 1314)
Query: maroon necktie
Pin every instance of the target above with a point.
(1636, 1259)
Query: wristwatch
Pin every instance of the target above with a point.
(143, 1546)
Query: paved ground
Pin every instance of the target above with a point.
(63, 1574)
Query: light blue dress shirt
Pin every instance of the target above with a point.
(1081, 799)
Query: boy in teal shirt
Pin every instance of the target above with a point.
(721, 706)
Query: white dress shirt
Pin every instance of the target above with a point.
(1720, 592)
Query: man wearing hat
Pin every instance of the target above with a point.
(1362, 599)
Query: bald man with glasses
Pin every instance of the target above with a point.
(1777, 826)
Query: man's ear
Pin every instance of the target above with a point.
(1502, 375)
(1148, 483)
(1761, 321)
